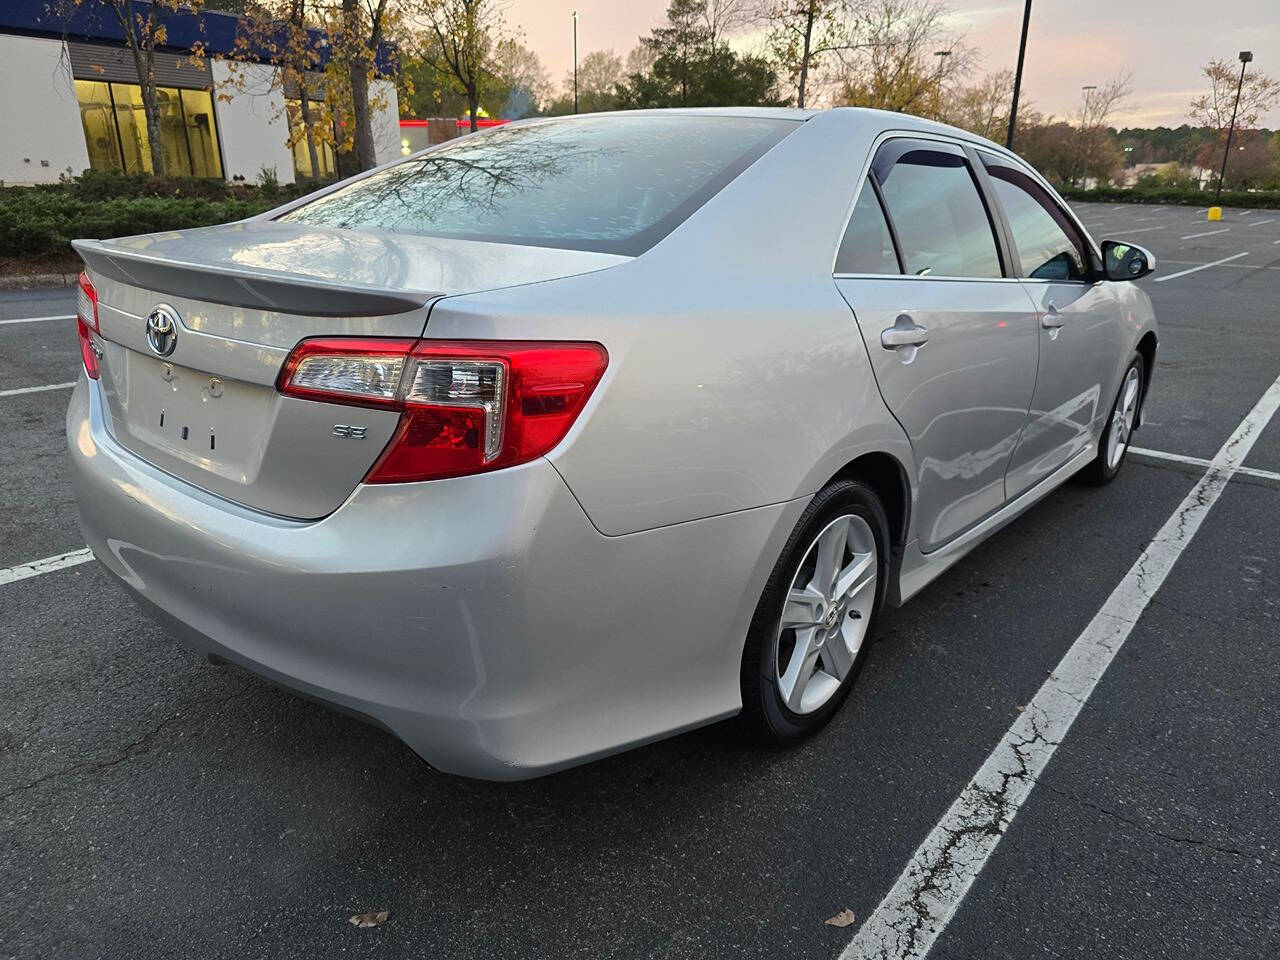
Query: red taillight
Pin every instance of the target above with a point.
(87, 324)
(466, 406)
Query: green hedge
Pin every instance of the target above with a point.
(1172, 195)
(40, 223)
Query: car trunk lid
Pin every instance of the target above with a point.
(243, 296)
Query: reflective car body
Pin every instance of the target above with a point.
(515, 621)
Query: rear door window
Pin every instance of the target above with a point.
(942, 224)
(612, 184)
(1047, 244)
(867, 246)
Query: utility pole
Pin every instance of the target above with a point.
(575, 61)
(1245, 57)
(1017, 76)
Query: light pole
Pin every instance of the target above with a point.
(1245, 57)
(1017, 76)
(575, 61)
(937, 81)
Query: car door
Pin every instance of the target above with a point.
(952, 340)
(1081, 331)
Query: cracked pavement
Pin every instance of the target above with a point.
(152, 805)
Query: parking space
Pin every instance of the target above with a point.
(152, 801)
(1156, 826)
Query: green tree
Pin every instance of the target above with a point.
(464, 36)
(691, 69)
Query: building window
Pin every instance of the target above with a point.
(202, 133)
(98, 119)
(115, 129)
(301, 155)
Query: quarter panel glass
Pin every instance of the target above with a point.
(867, 246)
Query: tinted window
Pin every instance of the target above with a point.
(615, 184)
(942, 224)
(867, 246)
(1040, 228)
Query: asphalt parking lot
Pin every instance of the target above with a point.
(155, 805)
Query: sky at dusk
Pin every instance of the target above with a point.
(1072, 42)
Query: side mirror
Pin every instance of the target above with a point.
(1126, 261)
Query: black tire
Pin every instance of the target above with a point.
(1100, 470)
(765, 716)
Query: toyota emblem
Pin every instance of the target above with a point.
(162, 330)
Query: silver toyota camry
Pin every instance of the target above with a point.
(577, 433)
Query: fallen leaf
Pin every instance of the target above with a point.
(374, 918)
(844, 918)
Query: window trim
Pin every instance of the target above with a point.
(868, 166)
(917, 140)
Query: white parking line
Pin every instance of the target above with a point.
(1203, 463)
(1203, 266)
(36, 567)
(1207, 233)
(1258, 223)
(1140, 230)
(925, 897)
(70, 316)
(48, 386)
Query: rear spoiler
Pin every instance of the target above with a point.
(244, 287)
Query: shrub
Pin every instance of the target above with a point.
(1173, 195)
(41, 221)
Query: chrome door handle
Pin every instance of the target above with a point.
(904, 333)
(1051, 319)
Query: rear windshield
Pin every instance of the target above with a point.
(614, 184)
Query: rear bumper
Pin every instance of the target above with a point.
(482, 620)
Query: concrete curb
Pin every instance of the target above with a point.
(25, 281)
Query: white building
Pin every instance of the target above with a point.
(70, 101)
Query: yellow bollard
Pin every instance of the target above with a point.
(1215, 213)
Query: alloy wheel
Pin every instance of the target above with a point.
(826, 613)
(1122, 419)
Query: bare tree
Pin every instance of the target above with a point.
(599, 74)
(723, 17)
(1098, 152)
(803, 34)
(906, 58)
(1258, 95)
(983, 107)
(639, 60)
